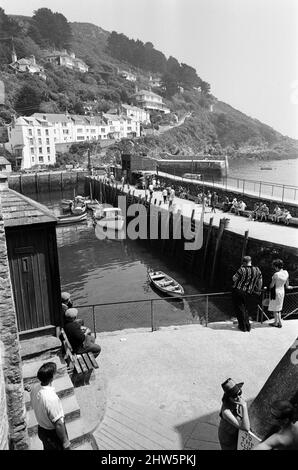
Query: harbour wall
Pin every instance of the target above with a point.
(47, 182)
(222, 249)
(250, 200)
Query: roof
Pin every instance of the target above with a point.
(3, 161)
(51, 117)
(19, 210)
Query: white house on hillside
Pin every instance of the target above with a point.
(27, 64)
(127, 75)
(65, 59)
(135, 113)
(151, 101)
(31, 141)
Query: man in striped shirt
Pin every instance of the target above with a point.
(247, 281)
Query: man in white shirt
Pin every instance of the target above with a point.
(48, 410)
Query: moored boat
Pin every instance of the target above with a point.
(78, 207)
(110, 217)
(165, 283)
(66, 203)
(71, 219)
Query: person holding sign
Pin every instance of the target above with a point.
(286, 438)
(233, 414)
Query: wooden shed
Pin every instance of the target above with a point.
(30, 230)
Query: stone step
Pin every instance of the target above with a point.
(76, 432)
(41, 347)
(71, 411)
(62, 385)
(30, 369)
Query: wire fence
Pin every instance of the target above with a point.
(153, 314)
(158, 312)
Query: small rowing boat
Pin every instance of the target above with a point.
(165, 283)
(71, 219)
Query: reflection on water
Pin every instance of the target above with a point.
(101, 271)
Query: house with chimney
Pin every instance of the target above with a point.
(27, 64)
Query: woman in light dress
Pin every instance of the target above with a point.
(280, 280)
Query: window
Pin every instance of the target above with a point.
(65, 131)
(39, 142)
(40, 149)
(48, 149)
(31, 141)
(30, 131)
(32, 150)
(64, 124)
(129, 128)
(80, 130)
(40, 159)
(80, 137)
(92, 131)
(49, 158)
(47, 131)
(48, 141)
(33, 159)
(38, 132)
(102, 130)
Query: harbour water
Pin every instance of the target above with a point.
(274, 171)
(103, 271)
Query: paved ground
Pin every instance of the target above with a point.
(162, 389)
(274, 233)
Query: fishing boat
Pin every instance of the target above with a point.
(266, 168)
(110, 217)
(71, 219)
(165, 283)
(78, 206)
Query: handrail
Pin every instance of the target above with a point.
(211, 294)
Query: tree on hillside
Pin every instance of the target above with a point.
(50, 29)
(189, 77)
(170, 82)
(9, 29)
(173, 67)
(28, 100)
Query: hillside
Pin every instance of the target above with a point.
(213, 127)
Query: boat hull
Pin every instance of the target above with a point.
(165, 284)
(71, 219)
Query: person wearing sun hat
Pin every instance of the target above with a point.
(233, 415)
(65, 301)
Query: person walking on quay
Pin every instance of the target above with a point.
(164, 195)
(214, 201)
(81, 341)
(171, 196)
(233, 415)
(279, 281)
(122, 182)
(286, 438)
(247, 282)
(151, 189)
(48, 410)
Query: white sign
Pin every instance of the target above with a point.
(247, 440)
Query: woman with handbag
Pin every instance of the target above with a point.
(280, 280)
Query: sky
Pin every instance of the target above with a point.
(246, 49)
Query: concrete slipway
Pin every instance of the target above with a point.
(162, 390)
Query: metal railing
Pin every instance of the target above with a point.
(154, 313)
(290, 305)
(261, 189)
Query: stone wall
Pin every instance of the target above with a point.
(46, 182)
(12, 366)
(3, 412)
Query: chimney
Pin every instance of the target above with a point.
(13, 54)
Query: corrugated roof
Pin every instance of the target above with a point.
(18, 210)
